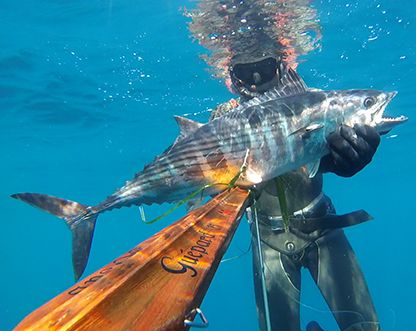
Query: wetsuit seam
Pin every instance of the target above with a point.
(286, 273)
(318, 249)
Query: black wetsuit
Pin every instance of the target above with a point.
(327, 254)
(255, 67)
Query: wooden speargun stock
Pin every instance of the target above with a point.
(158, 285)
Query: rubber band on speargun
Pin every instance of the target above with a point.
(280, 186)
(201, 190)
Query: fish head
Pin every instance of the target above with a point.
(365, 107)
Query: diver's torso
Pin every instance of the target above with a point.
(304, 199)
(300, 191)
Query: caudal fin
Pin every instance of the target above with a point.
(79, 218)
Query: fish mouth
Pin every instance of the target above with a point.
(383, 123)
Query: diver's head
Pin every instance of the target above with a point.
(264, 33)
(254, 77)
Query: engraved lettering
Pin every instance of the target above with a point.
(77, 290)
(184, 266)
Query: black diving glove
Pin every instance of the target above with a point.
(351, 149)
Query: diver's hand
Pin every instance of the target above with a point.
(351, 149)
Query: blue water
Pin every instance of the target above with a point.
(88, 90)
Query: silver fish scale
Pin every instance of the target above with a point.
(261, 127)
(272, 135)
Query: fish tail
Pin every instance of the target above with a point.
(79, 218)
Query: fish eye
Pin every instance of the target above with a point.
(369, 102)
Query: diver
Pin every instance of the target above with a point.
(325, 251)
(253, 42)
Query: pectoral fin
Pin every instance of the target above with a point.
(306, 131)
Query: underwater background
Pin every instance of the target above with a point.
(88, 90)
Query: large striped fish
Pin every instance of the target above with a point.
(267, 136)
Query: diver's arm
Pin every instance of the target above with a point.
(351, 149)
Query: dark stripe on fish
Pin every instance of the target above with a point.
(215, 159)
(174, 161)
(177, 167)
(205, 149)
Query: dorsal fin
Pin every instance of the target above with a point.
(186, 126)
(290, 84)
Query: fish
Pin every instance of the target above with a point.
(267, 136)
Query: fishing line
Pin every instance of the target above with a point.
(326, 311)
(281, 195)
(180, 203)
(237, 256)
